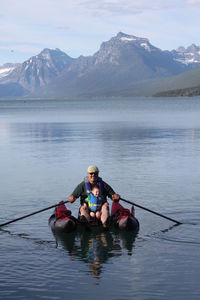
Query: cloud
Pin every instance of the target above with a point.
(193, 2)
(129, 7)
(63, 28)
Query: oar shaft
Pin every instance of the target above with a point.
(152, 211)
(31, 214)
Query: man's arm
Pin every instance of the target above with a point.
(78, 191)
(110, 192)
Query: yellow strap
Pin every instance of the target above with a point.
(93, 204)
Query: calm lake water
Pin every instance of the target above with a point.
(148, 150)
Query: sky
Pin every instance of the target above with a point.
(78, 27)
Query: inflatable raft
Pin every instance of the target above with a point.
(121, 218)
(62, 219)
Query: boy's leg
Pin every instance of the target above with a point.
(98, 215)
(92, 214)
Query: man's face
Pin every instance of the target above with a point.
(92, 177)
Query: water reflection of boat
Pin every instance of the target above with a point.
(95, 247)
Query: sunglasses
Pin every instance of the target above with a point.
(93, 173)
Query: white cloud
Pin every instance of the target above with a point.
(129, 7)
(193, 2)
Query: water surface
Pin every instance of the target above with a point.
(148, 150)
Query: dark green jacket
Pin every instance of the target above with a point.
(80, 191)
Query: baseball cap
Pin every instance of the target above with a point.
(93, 169)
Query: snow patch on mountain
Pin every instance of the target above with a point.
(5, 71)
(127, 39)
(145, 46)
(187, 56)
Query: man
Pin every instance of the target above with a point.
(83, 190)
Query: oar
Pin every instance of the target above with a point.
(152, 211)
(31, 214)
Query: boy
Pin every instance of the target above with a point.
(94, 203)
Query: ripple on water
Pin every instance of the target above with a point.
(187, 232)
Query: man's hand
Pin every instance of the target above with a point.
(115, 197)
(71, 198)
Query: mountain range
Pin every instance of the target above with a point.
(125, 65)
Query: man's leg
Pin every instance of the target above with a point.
(104, 213)
(85, 212)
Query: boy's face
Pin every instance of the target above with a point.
(95, 192)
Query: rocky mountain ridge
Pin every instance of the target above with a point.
(119, 63)
(38, 70)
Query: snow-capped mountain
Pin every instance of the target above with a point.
(114, 49)
(39, 70)
(189, 56)
(126, 54)
(119, 64)
(139, 41)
